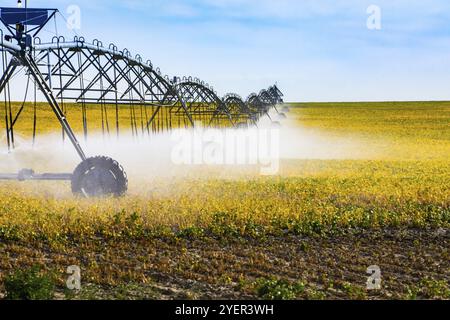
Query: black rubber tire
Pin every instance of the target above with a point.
(99, 177)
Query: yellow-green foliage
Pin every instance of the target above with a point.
(98, 120)
(407, 185)
(398, 130)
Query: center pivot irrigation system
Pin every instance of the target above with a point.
(88, 75)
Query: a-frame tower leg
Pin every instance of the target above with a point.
(47, 91)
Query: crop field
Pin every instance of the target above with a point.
(372, 188)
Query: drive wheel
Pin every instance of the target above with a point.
(99, 177)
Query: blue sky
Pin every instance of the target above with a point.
(317, 50)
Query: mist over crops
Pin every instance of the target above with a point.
(152, 156)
